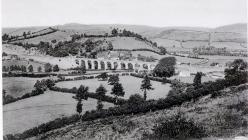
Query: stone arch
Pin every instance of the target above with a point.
(123, 66)
(83, 65)
(109, 66)
(115, 65)
(130, 66)
(89, 64)
(96, 65)
(102, 65)
(145, 66)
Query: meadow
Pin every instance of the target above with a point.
(18, 86)
(28, 113)
(130, 84)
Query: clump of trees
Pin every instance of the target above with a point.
(165, 67)
(21, 68)
(102, 76)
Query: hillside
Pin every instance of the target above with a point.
(220, 113)
(233, 37)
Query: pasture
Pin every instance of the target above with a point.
(130, 84)
(18, 86)
(28, 113)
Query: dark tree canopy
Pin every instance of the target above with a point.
(48, 67)
(30, 68)
(56, 68)
(79, 107)
(197, 80)
(114, 32)
(146, 85)
(103, 76)
(113, 79)
(101, 91)
(165, 67)
(39, 69)
(118, 90)
(82, 93)
(237, 68)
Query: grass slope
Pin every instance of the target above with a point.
(218, 116)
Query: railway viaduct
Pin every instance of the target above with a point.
(105, 64)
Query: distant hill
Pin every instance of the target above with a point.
(169, 37)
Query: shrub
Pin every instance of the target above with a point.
(178, 127)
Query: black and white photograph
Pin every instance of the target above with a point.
(124, 70)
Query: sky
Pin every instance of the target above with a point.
(161, 13)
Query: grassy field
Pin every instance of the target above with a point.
(18, 86)
(130, 84)
(28, 113)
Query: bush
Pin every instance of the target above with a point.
(177, 127)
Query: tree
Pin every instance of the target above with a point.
(24, 34)
(146, 85)
(237, 72)
(23, 68)
(5, 37)
(197, 80)
(82, 93)
(99, 105)
(48, 67)
(39, 86)
(39, 69)
(50, 83)
(30, 68)
(162, 50)
(5, 69)
(110, 46)
(103, 76)
(113, 79)
(101, 91)
(165, 67)
(114, 32)
(56, 68)
(117, 90)
(79, 107)
(4, 54)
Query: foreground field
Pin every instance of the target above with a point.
(31, 112)
(18, 86)
(130, 84)
(221, 118)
